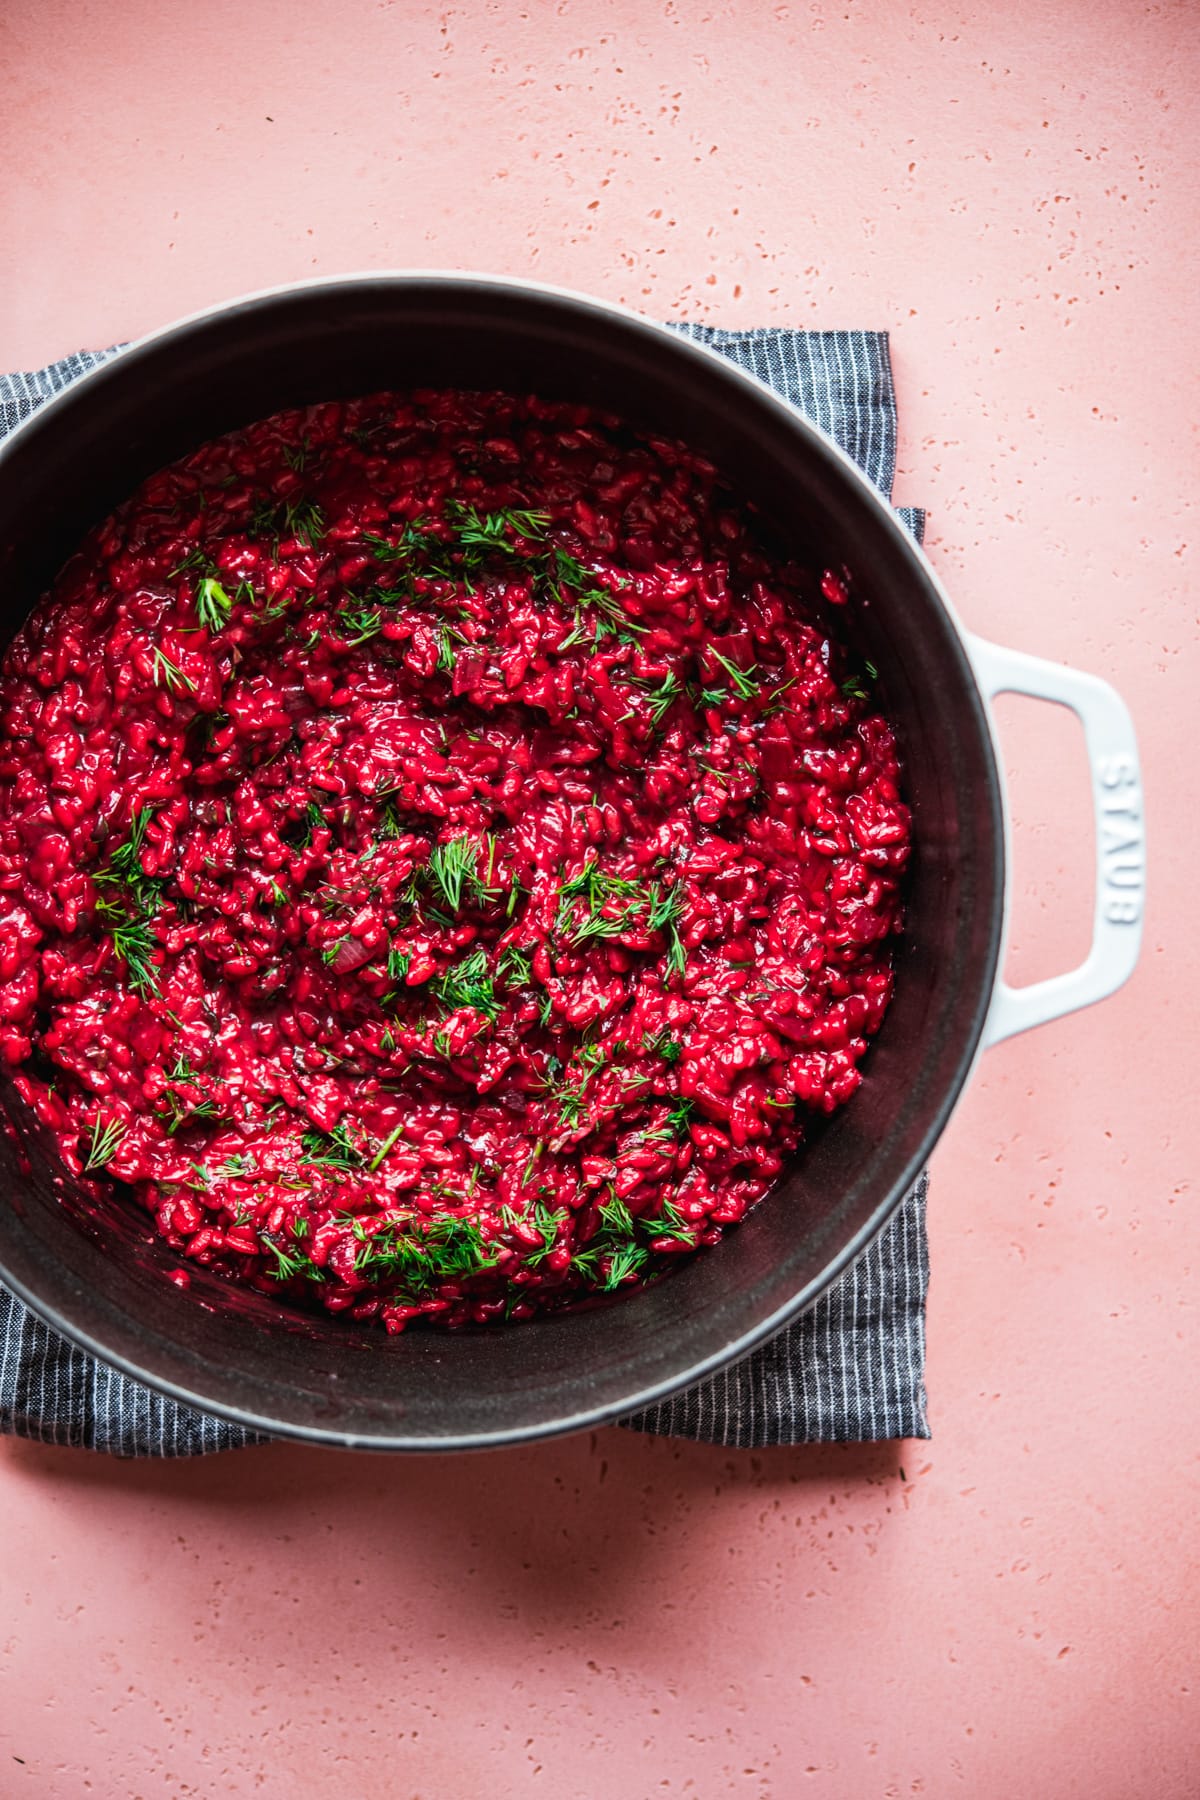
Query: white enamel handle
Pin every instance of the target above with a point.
(1120, 837)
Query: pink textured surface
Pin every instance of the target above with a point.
(1012, 190)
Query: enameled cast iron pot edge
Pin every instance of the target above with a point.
(1119, 885)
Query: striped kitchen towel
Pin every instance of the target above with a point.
(853, 1367)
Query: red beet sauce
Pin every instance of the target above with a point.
(440, 866)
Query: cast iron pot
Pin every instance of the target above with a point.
(102, 1280)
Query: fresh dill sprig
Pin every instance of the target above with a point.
(854, 687)
(129, 909)
(453, 869)
(663, 909)
(613, 1255)
(615, 1217)
(447, 639)
(301, 831)
(680, 1116)
(626, 1260)
(334, 1149)
(482, 534)
(670, 1223)
(663, 913)
(360, 625)
(195, 559)
(545, 1221)
(389, 819)
(676, 958)
(515, 967)
(168, 674)
(125, 863)
(107, 1137)
(304, 520)
(744, 684)
(415, 538)
(135, 943)
(610, 904)
(574, 586)
(450, 868)
(468, 983)
(662, 696)
(263, 519)
(421, 1256)
(613, 904)
(235, 1166)
(178, 1110)
(290, 1263)
(572, 1093)
(213, 605)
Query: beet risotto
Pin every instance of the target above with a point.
(443, 862)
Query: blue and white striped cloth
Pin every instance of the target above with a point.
(853, 1367)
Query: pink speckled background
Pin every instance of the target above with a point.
(1012, 189)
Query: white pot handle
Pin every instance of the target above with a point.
(1120, 836)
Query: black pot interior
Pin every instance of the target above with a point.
(102, 1279)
